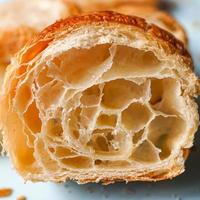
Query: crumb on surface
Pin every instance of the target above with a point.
(21, 198)
(5, 192)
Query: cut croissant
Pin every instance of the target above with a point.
(21, 18)
(102, 97)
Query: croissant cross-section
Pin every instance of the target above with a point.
(103, 97)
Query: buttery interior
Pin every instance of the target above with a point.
(109, 106)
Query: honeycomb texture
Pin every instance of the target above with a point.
(117, 118)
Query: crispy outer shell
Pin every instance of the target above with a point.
(113, 17)
(154, 15)
(151, 13)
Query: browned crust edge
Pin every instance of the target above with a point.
(109, 17)
(162, 15)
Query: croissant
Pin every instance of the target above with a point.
(101, 97)
(21, 19)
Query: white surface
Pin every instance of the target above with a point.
(184, 187)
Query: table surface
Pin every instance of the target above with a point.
(184, 187)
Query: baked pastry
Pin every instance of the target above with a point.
(102, 97)
(20, 19)
(154, 15)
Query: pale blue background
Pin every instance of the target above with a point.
(184, 187)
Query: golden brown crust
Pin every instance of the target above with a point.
(109, 17)
(154, 15)
(137, 8)
(173, 25)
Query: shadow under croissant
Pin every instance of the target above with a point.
(184, 185)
